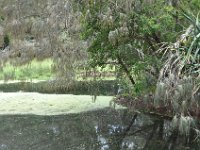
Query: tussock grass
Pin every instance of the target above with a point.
(40, 70)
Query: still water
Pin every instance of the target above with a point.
(106, 129)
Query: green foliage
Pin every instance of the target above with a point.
(128, 35)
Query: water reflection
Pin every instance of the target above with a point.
(106, 129)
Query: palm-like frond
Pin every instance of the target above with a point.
(193, 20)
(181, 72)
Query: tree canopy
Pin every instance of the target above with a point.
(132, 35)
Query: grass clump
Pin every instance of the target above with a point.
(40, 70)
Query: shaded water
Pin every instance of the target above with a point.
(106, 129)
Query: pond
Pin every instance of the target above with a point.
(103, 129)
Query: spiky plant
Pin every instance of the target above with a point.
(180, 77)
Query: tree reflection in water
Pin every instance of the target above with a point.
(106, 129)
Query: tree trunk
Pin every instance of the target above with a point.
(126, 70)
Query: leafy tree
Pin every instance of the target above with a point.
(128, 35)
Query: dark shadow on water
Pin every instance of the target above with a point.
(106, 129)
(102, 87)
